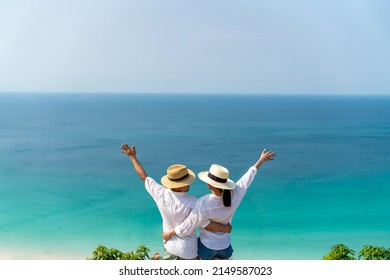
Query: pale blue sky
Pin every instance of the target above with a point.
(195, 46)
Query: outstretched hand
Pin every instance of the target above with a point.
(265, 156)
(131, 152)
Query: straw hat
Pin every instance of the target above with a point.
(218, 177)
(178, 176)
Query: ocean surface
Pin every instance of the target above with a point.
(65, 186)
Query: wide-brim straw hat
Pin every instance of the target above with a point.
(218, 177)
(178, 175)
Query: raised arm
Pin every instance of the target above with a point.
(265, 156)
(131, 153)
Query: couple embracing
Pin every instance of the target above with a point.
(182, 213)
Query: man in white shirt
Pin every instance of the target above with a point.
(174, 205)
(219, 206)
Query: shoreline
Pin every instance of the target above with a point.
(19, 254)
(266, 252)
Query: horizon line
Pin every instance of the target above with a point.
(191, 93)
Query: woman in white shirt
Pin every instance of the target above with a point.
(218, 206)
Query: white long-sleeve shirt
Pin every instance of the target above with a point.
(174, 207)
(210, 207)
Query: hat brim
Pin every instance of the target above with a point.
(229, 185)
(166, 182)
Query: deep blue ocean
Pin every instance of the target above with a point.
(65, 186)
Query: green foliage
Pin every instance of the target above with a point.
(340, 252)
(374, 253)
(104, 253)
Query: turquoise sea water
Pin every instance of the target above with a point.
(65, 186)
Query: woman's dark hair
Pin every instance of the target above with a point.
(227, 198)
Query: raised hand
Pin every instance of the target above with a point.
(131, 152)
(267, 155)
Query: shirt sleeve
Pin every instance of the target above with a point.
(245, 181)
(153, 188)
(204, 223)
